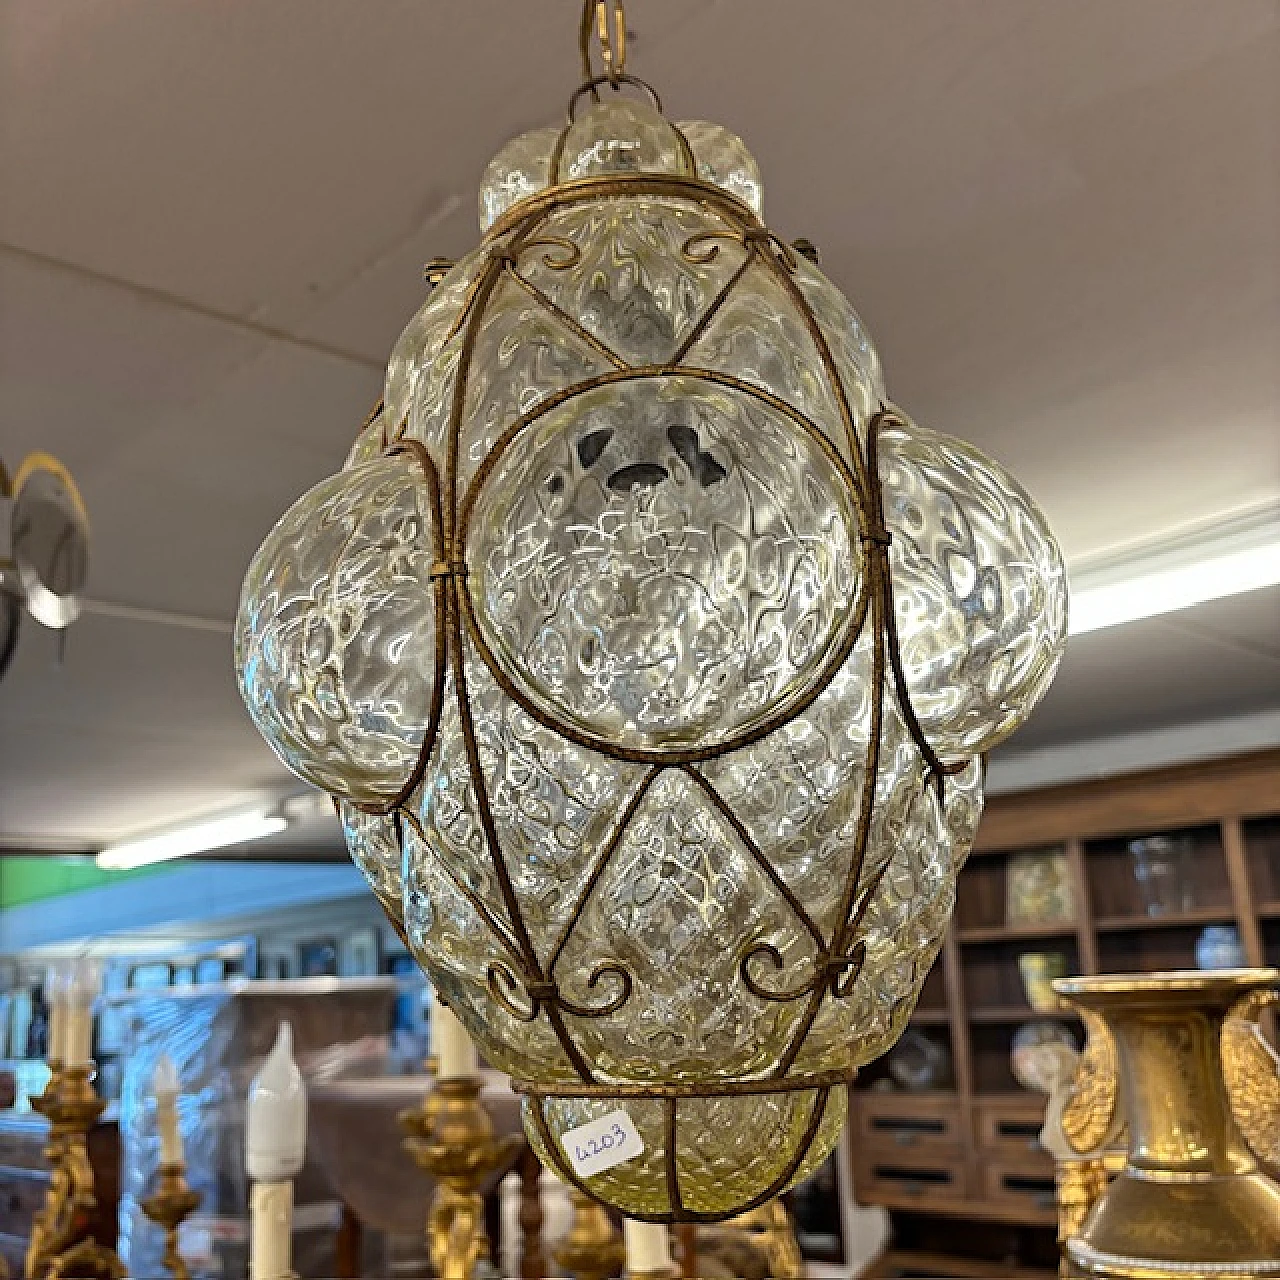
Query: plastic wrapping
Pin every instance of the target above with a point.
(217, 1037)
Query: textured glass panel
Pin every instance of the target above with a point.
(722, 158)
(663, 561)
(903, 926)
(375, 849)
(417, 350)
(851, 349)
(676, 905)
(730, 1150)
(455, 945)
(521, 169)
(447, 812)
(554, 804)
(798, 791)
(368, 445)
(830, 1129)
(335, 637)
(522, 353)
(640, 1185)
(759, 335)
(641, 274)
(979, 588)
(429, 411)
(621, 136)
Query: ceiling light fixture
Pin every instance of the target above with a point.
(650, 652)
(1230, 557)
(199, 837)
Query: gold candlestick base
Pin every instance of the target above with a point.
(169, 1206)
(61, 1246)
(451, 1137)
(36, 1261)
(592, 1249)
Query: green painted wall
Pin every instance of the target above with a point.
(31, 878)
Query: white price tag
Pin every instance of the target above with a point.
(595, 1147)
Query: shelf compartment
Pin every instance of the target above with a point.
(1262, 854)
(1114, 890)
(991, 976)
(1149, 950)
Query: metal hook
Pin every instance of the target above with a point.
(612, 35)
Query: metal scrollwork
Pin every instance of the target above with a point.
(569, 256)
(709, 251)
(835, 970)
(506, 987)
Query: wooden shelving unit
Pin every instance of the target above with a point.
(970, 1153)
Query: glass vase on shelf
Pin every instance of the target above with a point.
(1162, 868)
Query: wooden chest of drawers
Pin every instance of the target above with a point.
(932, 1152)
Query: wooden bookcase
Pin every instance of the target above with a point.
(970, 1152)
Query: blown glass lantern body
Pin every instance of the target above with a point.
(650, 655)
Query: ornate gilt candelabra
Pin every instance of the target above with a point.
(62, 1246)
(592, 1249)
(169, 1206)
(451, 1137)
(36, 1261)
(1200, 1095)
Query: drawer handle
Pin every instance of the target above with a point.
(905, 1139)
(1046, 1200)
(1034, 1144)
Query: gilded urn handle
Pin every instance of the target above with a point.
(1252, 1071)
(1091, 1113)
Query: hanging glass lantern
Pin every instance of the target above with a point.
(650, 653)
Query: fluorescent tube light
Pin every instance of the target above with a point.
(1232, 556)
(183, 841)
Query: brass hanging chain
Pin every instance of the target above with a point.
(608, 20)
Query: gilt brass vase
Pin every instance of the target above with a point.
(1190, 1200)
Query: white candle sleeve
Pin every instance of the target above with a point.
(58, 1016)
(450, 1043)
(648, 1246)
(78, 1034)
(166, 1091)
(270, 1230)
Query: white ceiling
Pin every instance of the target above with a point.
(1060, 218)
